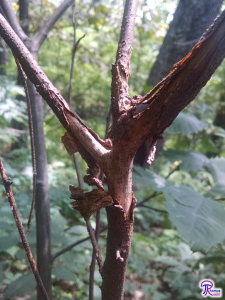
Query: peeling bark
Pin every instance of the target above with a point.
(190, 20)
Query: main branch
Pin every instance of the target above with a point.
(180, 87)
(68, 118)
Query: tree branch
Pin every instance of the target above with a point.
(68, 248)
(181, 86)
(68, 118)
(40, 36)
(12, 19)
(120, 99)
(24, 80)
(7, 184)
(152, 208)
(72, 67)
(147, 198)
(95, 245)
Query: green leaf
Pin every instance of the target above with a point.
(78, 230)
(200, 221)
(191, 161)
(209, 260)
(217, 191)
(216, 166)
(21, 286)
(63, 272)
(146, 178)
(9, 241)
(185, 124)
(206, 144)
(172, 275)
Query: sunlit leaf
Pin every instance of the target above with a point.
(200, 221)
(185, 124)
(191, 161)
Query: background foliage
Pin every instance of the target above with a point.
(186, 181)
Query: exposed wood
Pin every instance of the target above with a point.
(190, 21)
(178, 89)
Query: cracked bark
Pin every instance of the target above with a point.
(190, 21)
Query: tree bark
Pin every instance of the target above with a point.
(42, 205)
(2, 59)
(120, 224)
(24, 15)
(118, 167)
(190, 20)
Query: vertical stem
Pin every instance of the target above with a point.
(118, 246)
(73, 56)
(42, 198)
(7, 184)
(31, 126)
(92, 266)
(80, 182)
(24, 15)
(97, 229)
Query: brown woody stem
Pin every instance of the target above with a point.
(7, 184)
(24, 79)
(50, 94)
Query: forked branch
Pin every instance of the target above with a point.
(41, 35)
(121, 103)
(11, 17)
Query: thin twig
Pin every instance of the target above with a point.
(152, 208)
(79, 179)
(156, 193)
(95, 245)
(75, 45)
(73, 54)
(7, 184)
(72, 67)
(174, 170)
(80, 182)
(148, 198)
(68, 248)
(24, 80)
